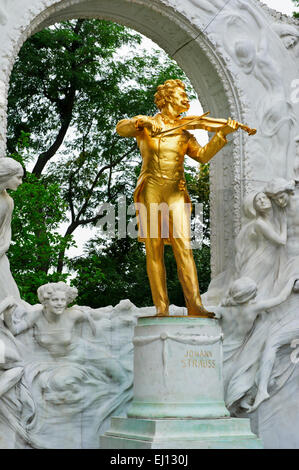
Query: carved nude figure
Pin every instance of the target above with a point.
(258, 243)
(237, 322)
(64, 371)
(285, 196)
(10, 369)
(52, 321)
(258, 248)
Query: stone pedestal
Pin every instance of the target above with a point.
(178, 390)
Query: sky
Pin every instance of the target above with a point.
(285, 6)
(83, 234)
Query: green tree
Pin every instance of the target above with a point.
(112, 271)
(32, 265)
(70, 85)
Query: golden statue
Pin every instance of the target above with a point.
(163, 141)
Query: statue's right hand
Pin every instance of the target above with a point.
(148, 123)
(141, 123)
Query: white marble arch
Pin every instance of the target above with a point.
(196, 34)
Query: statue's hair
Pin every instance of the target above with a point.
(279, 185)
(8, 168)
(164, 92)
(46, 291)
(240, 291)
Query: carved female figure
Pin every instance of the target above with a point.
(285, 197)
(258, 243)
(258, 248)
(11, 174)
(65, 371)
(284, 194)
(237, 322)
(53, 322)
(238, 313)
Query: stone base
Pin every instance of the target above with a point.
(222, 433)
(178, 391)
(177, 369)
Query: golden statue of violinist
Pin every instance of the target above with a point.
(164, 141)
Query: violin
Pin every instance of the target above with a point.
(206, 123)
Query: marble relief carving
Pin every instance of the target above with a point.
(258, 298)
(66, 366)
(250, 50)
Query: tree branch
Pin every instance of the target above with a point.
(76, 219)
(44, 157)
(101, 171)
(65, 109)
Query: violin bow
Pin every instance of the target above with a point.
(182, 125)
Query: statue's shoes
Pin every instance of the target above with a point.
(202, 313)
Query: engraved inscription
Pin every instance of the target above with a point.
(198, 359)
